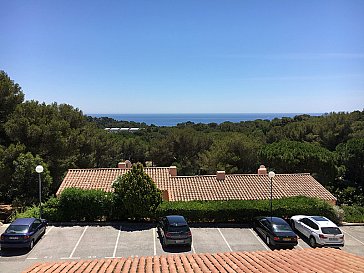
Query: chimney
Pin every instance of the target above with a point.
(262, 170)
(128, 164)
(165, 195)
(122, 165)
(220, 175)
(173, 171)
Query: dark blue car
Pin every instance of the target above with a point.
(23, 233)
(276, 232)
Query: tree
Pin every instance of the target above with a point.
(351, 155)
(25, 181)
(234, 153)
(295, 157)
(180, 147)
(7, 158)
(10, 96)
(136, 192)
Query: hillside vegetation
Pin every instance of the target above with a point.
(60, 137)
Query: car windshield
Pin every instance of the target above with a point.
(281, 228)
(17, 229)
(178, 229)
(331, 230)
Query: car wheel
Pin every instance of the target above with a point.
(31, 244)
(267, 239)
(292, 224)
(313, 242)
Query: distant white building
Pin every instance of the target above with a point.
(117, 129)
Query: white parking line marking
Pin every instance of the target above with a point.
(193, 248)
(224, 239)
(353, 237)
(49, 230)
(79, 240)
(260, 240)
(116, 244)
(298, 244)
(154, 244)
(32, 258)
(68, 258)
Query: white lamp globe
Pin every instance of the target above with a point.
(271, 174)
(39, 169)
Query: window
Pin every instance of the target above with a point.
(331, 230)
(17, 229)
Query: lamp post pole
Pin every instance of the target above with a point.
(271, 175)
(39, 170)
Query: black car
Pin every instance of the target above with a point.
(275, 231)
(23, 233)
(174, 230)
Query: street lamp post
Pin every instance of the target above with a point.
(39, 170)
(271, 175)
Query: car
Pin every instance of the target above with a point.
(275, 231)
(174, 230)
(319, 230)
(23, 233)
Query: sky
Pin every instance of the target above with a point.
(190, 56)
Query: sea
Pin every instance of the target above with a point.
(174, 119)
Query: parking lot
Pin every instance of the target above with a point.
(126, 239)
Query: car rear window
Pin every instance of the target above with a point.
(178, 228)
(281, 228)
(17, 229)
(331, 230)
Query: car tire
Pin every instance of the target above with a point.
(292, 225)
(313, 243)
(31, 245)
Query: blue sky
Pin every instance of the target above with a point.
(200, 56)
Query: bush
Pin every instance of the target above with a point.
(85, 205)
(353, 214)
(136, 194)
(29, 212)
(51, 210)
(246, 210)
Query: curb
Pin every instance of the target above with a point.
(352, 224)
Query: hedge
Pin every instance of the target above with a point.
(354, 214)
(95, 205)
(85, 205)
(246, 210)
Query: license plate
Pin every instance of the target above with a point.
(286, 239)
(179, 241)
(13, 238)
(332, 239)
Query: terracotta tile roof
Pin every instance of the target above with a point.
(103, 178)
(324, 260)
(205, 187)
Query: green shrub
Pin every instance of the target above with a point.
(29, 212)
(246, 210)
(51, 210)
(136, 194)
(353, 214)
(85, 205)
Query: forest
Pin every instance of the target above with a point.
(61, 137)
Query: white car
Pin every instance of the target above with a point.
(319, 230)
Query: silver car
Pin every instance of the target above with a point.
(319, 230)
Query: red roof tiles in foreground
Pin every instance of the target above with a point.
(324, 260)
